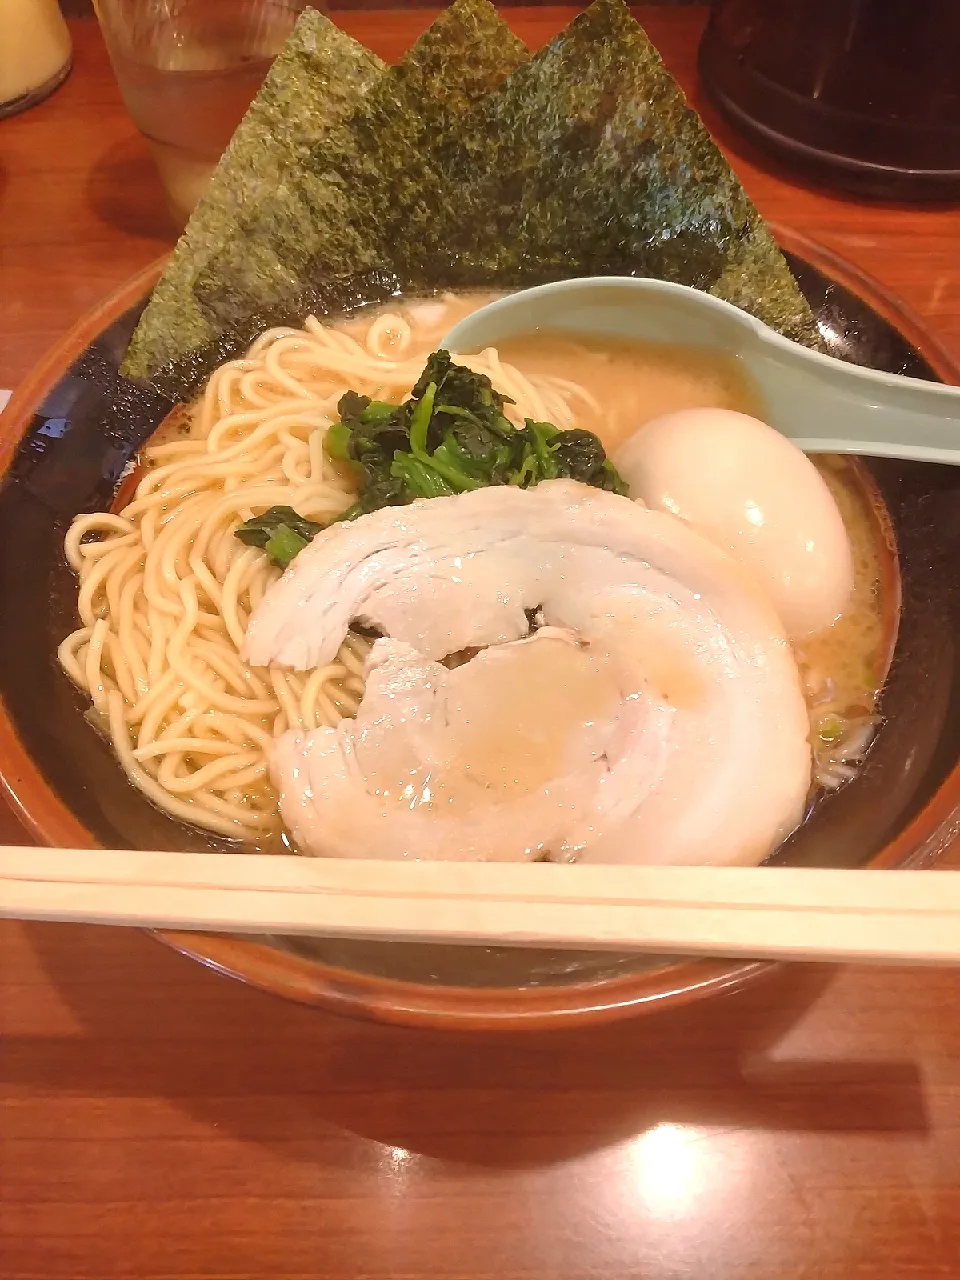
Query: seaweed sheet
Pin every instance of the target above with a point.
(361, 184)
(587, 160)
(471, 164)
(317, 79)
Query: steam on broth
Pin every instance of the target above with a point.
(167, 591)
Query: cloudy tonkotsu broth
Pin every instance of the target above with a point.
(634, 382)
(205, 754)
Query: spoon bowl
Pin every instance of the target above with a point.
(822, 404)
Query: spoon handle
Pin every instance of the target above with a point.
(825, 406)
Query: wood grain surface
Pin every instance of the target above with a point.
(159, 1121)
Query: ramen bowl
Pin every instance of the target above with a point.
(64, 446)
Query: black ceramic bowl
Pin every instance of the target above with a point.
(63, 444)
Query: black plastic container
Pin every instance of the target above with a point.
(860, 94)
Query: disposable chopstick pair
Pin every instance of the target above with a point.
(776, 912)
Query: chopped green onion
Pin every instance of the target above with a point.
(830, 729)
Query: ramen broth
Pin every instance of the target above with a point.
(628, 383)
(631, 381)
(844, 667)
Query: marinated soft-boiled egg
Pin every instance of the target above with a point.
(755, 495)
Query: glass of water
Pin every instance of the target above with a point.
(188, 70)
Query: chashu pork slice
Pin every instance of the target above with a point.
(693, 745)
(483, 763)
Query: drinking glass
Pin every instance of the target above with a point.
(188, 70)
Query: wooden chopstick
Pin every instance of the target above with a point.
(763, 912)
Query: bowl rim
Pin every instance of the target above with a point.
(399, 1001)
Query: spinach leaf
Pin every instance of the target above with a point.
(451, 435)
(579, 455)
(281, 532)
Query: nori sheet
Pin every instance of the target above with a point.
(352, 201)
(414, 126)
(470, 163)
(588, 161)
(317, 78)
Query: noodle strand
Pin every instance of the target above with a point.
(166, 590)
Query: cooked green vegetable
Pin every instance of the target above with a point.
(451, 435)
(280, 532)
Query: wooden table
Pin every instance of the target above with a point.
(160, 1121)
